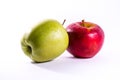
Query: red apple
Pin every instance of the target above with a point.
(85, 39)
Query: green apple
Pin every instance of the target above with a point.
(46, 41)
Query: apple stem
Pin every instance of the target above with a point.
(64, 21)
(83, 22)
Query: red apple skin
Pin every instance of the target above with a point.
(85, 42)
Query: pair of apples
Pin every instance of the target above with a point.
(50, 39)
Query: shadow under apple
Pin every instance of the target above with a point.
(67, 65)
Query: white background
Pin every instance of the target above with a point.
(17, 16)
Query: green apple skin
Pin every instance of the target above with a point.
(46, 41)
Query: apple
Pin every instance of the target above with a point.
(46, 41)
(85, 39)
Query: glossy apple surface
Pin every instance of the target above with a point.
(85, 39)
(46, 41)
